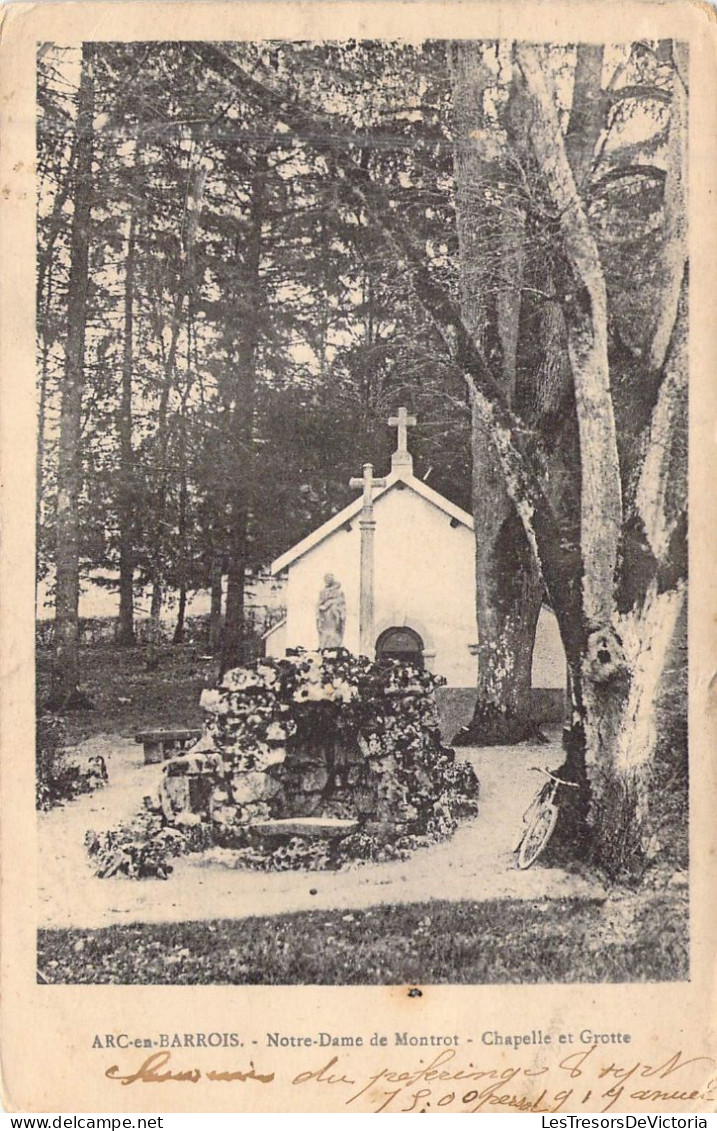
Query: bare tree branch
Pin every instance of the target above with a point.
(674, 250)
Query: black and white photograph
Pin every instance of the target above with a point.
(361, 511)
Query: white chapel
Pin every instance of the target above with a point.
(413, 552)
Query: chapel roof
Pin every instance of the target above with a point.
(401, 473)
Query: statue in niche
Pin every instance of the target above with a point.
(331, 613)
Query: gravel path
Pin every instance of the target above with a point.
(477, 863)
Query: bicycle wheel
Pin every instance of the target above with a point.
(537, 836)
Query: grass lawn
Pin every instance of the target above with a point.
(167, 697)
(438, 942)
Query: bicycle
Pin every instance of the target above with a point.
(540, 818)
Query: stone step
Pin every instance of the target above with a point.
(305, 826)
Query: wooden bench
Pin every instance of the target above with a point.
(162, 744)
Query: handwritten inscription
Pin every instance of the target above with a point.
(449, 1081)
(151, 1071)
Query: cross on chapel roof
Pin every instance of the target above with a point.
(402, 422)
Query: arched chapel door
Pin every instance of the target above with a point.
(400, 643)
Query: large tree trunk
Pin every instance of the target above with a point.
(154, 628)
(619, 711)
(66, 674)
(235, 641)
(178, 637)
(182, 564)
(40, 459)
(215, 613)
(585, 307)
(599, 673)
(617, 673)
(491, 244)
(234, 650)
(194, 205)
(507, 616)
(125, 634)
(160, 500)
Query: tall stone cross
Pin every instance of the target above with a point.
(402, 457)
(367, 526)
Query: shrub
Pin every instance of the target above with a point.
(59, 776)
